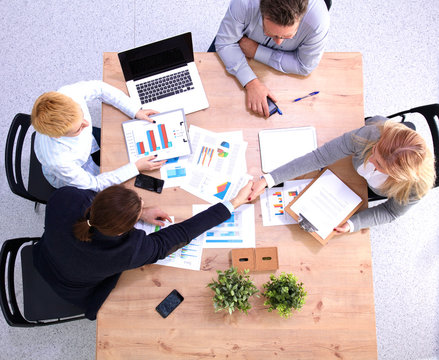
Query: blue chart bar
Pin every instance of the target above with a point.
(148, 135)
(173, 173)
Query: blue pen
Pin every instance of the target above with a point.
(310, 94)
(279, 112)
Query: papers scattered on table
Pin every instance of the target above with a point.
(236, 232)
(188, 257)
(217, 166)
(274, 201)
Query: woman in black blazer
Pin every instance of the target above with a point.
(89, 239)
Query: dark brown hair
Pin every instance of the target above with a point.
(113, 211)
(283, 12)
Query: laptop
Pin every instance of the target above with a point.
(163, 76)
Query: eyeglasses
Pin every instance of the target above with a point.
(277, 37)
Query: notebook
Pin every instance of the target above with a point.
(279, 146)
(163, 76)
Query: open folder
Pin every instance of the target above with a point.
(324, 204)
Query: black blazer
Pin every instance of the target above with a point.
(84, 273)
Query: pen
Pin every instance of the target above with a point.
(279, 112)
(310, 94)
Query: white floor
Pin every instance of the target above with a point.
(46, 44)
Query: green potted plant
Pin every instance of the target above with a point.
(232, 291)
(284, 293)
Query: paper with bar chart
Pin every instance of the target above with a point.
(217, 165)
(188, 257)
(273, 202)
(168, 137)
(236, 232)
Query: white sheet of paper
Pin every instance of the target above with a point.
(279, 146)
(236, 232)
(274, 200)
(217, 166)
(326, 203)
(188, 257)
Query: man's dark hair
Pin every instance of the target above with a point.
(283, 12)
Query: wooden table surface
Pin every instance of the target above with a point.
(338, 318)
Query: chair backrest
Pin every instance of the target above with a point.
(431, 116)
(328, 4)
(39, 188)
(42, 306)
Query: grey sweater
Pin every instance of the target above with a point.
(337, 149)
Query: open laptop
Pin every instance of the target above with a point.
(163, 76)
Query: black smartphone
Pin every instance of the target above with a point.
(272, 107)
(169, 303)
(149, 183)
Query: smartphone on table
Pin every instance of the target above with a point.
(272, 107)
(149, 183)
(169, 303)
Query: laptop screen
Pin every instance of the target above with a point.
(157, 57)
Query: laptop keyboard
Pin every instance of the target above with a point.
(165, 86)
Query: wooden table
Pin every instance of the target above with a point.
(338, 318)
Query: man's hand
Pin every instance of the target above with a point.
(154, 215)
(145, 114)
(243, 195)
(258, 188)
(343, 228)
(248, 47)
(147, 164)
(257, 97)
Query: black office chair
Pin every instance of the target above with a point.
(431, 116)
(38, 189)
(41, 305)
(328, 4)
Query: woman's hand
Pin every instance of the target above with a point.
(154, 215)
(147, 164)
(258, 188)
(145, 114)
(343, 228)
(243, 195)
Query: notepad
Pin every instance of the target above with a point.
(325, 203)
(279, 146)
(168, 137)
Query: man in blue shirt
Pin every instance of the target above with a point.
(288, 35)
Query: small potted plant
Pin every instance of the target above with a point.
(284, 293)
(232, 291)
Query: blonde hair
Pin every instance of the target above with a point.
(54, 113)
(406, 159)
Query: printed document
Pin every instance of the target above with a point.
(188, 257)
(274, 200)
(326, 203)
(167, 138)
(217, 166)
(236, 232)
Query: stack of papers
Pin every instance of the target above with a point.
(216, 169)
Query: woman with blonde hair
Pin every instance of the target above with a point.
(394, 160)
